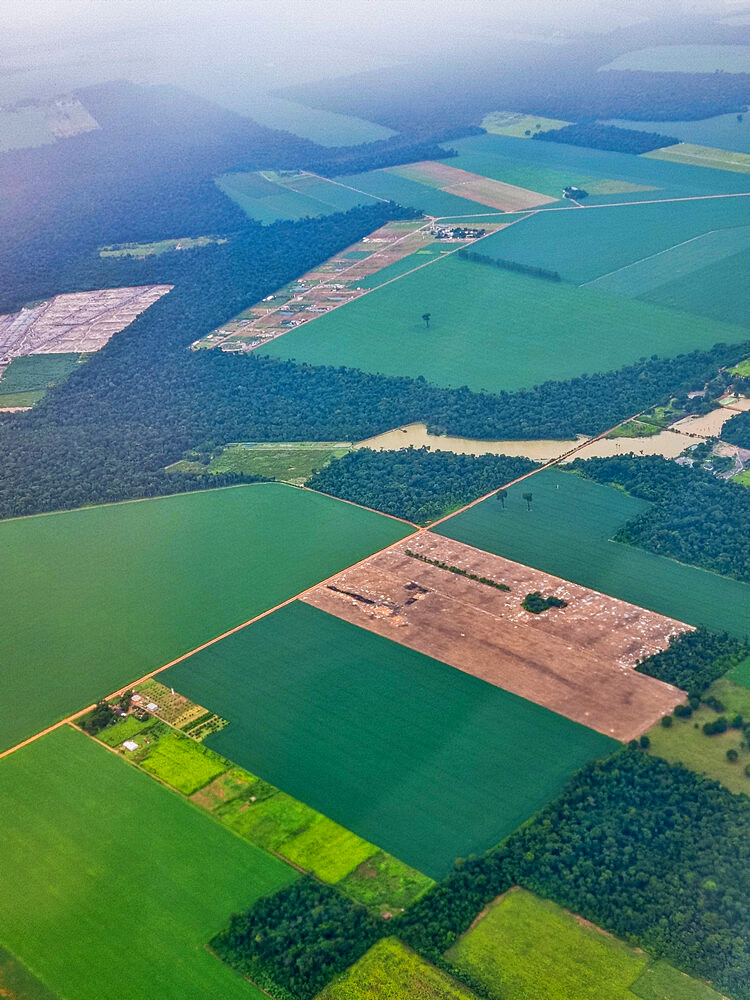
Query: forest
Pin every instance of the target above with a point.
(647, 850)
(294, 942)
(618, 140)
(694, 660)
(415, 483)
(695, 517)
(737, 430)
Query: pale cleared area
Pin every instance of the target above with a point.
(668, 444)
(76, 322)
(473, 187)
(417, 436)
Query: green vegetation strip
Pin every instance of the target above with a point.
(126, 876)
(457, 569)
(116, 611)
(567, 532)
(395, 768)
(292, 462)
(391, 971)
(35, 373)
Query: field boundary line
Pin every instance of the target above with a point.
(642, 260)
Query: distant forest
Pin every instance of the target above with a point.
(619, 140)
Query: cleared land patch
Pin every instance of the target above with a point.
(139, 250)
(494, 329)
(40, 122)
(107, 611)
(520, 126)
(26, 379)
(526, 948)
(704, 156)
(74, 323)
(485, 190)
(289, 462)
(270, 196)
(567, 532)
(396, 768)
(577, 661)
(391, 971)
(126, 876)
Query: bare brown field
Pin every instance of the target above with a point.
(577, 661)
(475, 187)
(79, 322)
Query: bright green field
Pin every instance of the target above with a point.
(20, 398)
(526, 948)
(704, 156)
(683, 743)
(183, 763)
(396, 767)
(391, 971)
(295, 198)
(567, 533)
(95, 598)
(493, 329)
(514, 124)
(686, 59)
(292, 462)
(35, 373)
(743, 368)
(105, 873)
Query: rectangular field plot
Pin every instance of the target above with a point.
(95, 598)
(704, 156)
(719, 290)
(526, 948)
(575, 660)
(722, 131)
(585, 245)
(493, 329)
(485, 190)
(127, 880)
(270, 197)
(391, 971)
(567, 532)
(424, 760)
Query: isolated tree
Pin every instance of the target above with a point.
(501, 495)
(426, 317)
(528, 497)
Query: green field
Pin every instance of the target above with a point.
(567, 532)
(527, 948)
(264, 816)
(155, 249)
(289, 462)
(288, 196)
(115, 591)
(391, 971)
(741, 675)
(20, 399)
(743, 368)
(704, 156)
(396, 768)
(324, 127)
(586, 245)
(391, 186)
(718, 291)
(518, 125)
(685, 59)
(720, 132)
(35, 373)
(107, 877)
(685, 742)
(493, 329)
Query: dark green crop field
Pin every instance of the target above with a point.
(36, 372)
(92, 599)
(493, 329)
(567, 532)
(424, 760)
(110, 885)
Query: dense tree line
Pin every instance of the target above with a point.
(508, 265)
(596, 136)
(293, 943)
(695, 518)
(416, 483)
(694, 660)
(737, 430)
(650, 851)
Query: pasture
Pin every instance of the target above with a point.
(685, 59)
(717, 291)
(293, 195)
(484, 332)
(395, 769)
(392, 186)
(730, 131)
(684, 742)
(518, 125)
(527, 948)
(289, 462)
(35, 373)
(586, 245)
(391, 971)
(127, 878)
(704, 156)
(567, 532)
(118, 590)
